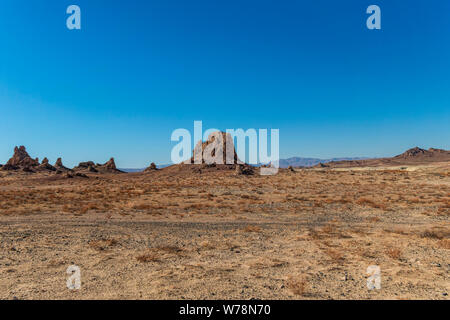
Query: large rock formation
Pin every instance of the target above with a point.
(211, 155)
(220, 143)
(21, 159)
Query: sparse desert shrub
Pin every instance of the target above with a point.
(444, 243)
(374, 219)
(328, 228)
(314, 234)
(252, 229)
(207, 245)
(335, 255)
(371, 203)
(297, 285)
(142, 206)
(156, 254)
(394, 253)
(445, 210)
(170, 249)
(435, 234)
(148, 257)
(103, 244)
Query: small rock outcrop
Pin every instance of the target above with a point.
(322, 165)
(92, 169)
(84, 165)
(152, 167)
(244, 170)
(45, 166)
(110, 165)
(59, 165)
(90, 166)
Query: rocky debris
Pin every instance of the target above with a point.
(438, 150)
(72, 175)
(44, 161)
(9, 167)
(92, 169)
(290, 168)
(152, 167)
(20, 160)
(322, 165)
(244, 170)
(46, 167)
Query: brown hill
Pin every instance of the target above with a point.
(414, 156)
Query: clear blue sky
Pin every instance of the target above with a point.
(140, 69)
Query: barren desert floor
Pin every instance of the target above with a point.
(207, 233)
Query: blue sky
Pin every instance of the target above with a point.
(140, 69)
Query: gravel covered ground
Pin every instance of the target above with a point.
(300, 235)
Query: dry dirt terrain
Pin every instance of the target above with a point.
(202, 232)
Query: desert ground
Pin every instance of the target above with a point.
(204, 232)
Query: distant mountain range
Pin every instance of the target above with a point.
(414, 156)
(311, 162)
(284, 163)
